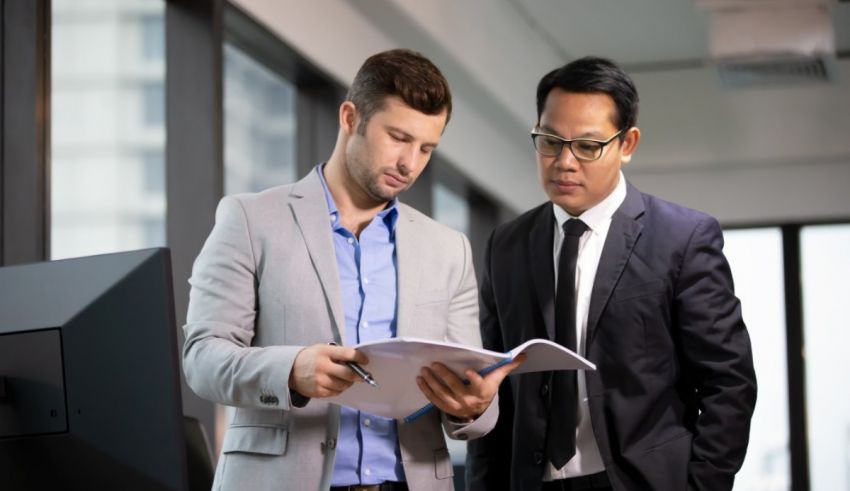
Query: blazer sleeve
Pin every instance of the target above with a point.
(463, 329)
(218, 360)
(717, 358)
(488, 459)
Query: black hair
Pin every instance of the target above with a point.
(592, 74)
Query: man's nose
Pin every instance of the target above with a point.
(566, 160)
(409, 160)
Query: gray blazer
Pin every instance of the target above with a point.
(264, 286)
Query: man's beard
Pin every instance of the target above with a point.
(370, 182)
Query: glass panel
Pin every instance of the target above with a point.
(825, 252)
(755, 257)
(259, 114)
(450, 208)
(108, 126)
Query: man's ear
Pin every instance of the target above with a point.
(349, 117)
(629, 145)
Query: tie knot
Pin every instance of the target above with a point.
(574, 227)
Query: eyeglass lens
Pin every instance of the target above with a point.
(582, 149)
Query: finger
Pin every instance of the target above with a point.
(448, 378)
(503, 371)
(341, 353)
(340, 371)
(333, 384)
(474, 378)
(436, 385)
(429, 393)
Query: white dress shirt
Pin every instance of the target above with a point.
(587, 459)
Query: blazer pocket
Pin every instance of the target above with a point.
(265, 440)
(639, 290)
(443, 464)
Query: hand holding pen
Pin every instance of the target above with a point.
(322, 370)
(360, 371)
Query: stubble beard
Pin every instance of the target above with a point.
(369, 182)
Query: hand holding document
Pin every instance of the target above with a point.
(394, 363)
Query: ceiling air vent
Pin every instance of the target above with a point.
(774, 71)
(761, 42)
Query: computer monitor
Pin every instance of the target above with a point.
(90, 390)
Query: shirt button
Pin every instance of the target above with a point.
(367, 471)
(365, 324)
(351, 240)
(365, 280)
(367, 422)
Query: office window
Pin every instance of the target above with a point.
(825, 253)
(152, 33)
(450, 208)
(259, 115)
(153, 103)
(755, 256)
(108, 129)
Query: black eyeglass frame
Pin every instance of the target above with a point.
(569, 143)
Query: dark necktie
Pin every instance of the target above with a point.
(561, 430)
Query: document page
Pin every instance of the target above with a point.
(395, 363)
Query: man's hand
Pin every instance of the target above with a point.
(319, 370)
(463, 401)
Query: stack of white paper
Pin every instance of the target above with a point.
(395, 363)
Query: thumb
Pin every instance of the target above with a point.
(343, 354)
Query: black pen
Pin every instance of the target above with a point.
(366, 376)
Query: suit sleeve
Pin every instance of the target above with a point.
(717, 359)
(463, 329)
(218, 359)
(488, 459)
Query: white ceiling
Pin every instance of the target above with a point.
(494, 52)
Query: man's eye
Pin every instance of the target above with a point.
(585, 146)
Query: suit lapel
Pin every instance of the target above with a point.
(409, 268)
(624, 232)
(310, 210)
(542, 265)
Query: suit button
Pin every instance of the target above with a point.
(538, 458)
(544, 389)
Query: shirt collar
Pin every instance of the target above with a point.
(597, 215)
(389, 215)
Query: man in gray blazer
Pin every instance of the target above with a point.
(336, 258)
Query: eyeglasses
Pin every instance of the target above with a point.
(582, 148)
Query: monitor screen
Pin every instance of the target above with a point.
(89, 375)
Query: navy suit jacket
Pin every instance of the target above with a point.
(674, 390)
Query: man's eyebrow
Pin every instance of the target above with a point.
(595, 135)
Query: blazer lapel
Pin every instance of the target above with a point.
(624, 232)
(409, 268)
(542, 265)
(310, 210)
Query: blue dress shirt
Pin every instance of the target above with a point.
(367, 449)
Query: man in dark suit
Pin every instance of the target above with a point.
(639, 286)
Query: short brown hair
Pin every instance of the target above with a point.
(402, 73)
